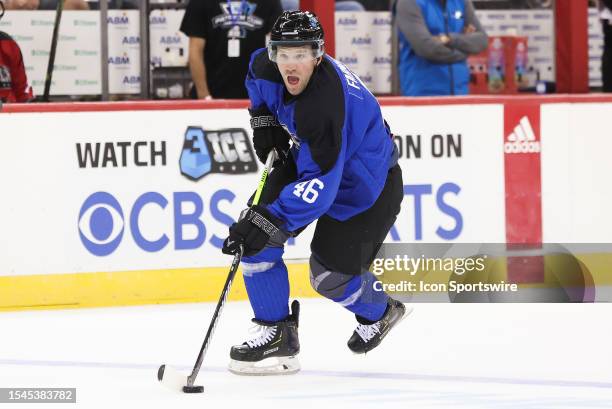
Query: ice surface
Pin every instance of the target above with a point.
(442, 356)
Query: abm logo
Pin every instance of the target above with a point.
(224, 151)
(131, 80)
(382, 60)
(119, 60)
(349, 60)
(169, 40)
(130, 40)
(381, 21)
(530, 27)
(158, 20)
(118, 20)
(361, 41)
(347, 21)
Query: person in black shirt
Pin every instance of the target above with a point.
(376, 5)
(222, 35)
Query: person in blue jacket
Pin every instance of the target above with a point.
(339, 170)
(435, 39)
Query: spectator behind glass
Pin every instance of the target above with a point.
(45, 5)
(341, 5)
(435, 38)
(375, 5)
(68, 5)
(290, 5)
(605, 14)
(349, 5)
(13, 80)
(116, 4)
(222, 37)
(21, 4)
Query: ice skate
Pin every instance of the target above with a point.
(272, 351)
(366, 337)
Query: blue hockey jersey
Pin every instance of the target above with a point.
(341, 146)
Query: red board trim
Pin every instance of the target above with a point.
(242, 104)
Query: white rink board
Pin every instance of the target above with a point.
(576, 172)
(478, 173)
(40, 215)
(52, 198)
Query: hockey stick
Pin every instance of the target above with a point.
(170, 377)
(51, 62)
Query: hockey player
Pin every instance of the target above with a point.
(13, 80)
(341, 170)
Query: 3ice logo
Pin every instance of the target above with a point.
(195, 159)
(222, 151)
(101, 224)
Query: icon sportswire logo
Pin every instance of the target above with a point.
(522, 139)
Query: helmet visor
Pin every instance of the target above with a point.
(295, 52)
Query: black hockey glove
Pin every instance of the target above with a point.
(267, 133)
(253, 230)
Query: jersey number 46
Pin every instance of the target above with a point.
(308, 190)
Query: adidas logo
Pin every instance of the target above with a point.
(522, 139)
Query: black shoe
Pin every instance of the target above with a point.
(273, 351)
(367, 336)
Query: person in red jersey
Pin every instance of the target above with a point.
(13, 80)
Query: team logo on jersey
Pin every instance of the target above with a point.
(294, 137)
(222, 151)
(238, 18)
(5, 77)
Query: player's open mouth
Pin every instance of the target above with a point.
(293, 80)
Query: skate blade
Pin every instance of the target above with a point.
(407, 312)
(286, 365)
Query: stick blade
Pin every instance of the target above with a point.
(193, 389)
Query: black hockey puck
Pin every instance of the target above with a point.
(160, 373)
(193, 389)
